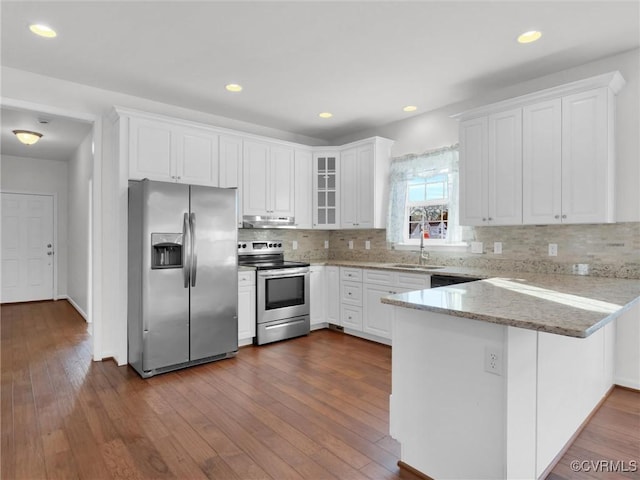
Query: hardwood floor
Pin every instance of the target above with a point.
(609, 444)
(309, 408)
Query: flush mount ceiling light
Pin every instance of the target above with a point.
(529, 37)
(43, 30)
(325, 115)
(410, 108)
(27, 137)
(233, 87)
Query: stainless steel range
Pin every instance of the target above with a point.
(282, 291)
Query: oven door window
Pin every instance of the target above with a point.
(284, 292)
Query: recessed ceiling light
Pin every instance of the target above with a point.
(410, 108)
(325, 115)
(27, 137)
(233, 87)
(530, 36)
(43, 30)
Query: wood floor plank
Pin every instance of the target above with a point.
(310, 408)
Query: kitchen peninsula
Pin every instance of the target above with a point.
(491, 379)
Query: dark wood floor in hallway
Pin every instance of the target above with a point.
(310, 408)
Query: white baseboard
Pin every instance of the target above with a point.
(627, 382)
(75, 305)
(319, 326)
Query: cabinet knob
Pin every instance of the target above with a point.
(349, 293)
(564, 216)
(490, 218)
(484, 219)
(556, 217)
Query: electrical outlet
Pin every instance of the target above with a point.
(367, 245)
(497, 248)
(476, 247)
(581, 269)
(294, 245)
(350, 244)
(326, 244)
(493, 360)
(553, 249)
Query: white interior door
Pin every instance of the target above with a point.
(27, 247)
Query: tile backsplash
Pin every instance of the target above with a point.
(609, 250)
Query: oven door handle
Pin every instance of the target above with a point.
(285, 272)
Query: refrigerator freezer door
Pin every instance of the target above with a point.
(214, 297)
(165, 300)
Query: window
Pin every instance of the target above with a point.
(427, 208)
(424, 191)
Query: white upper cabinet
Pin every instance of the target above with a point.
(162, 151)
(152, 150)
(542, 162)
(268, 179)
(587, 157)
(473, 172)
(197, 158)
(326, 193)
(568, 159)
(364, 169)
(230, 172)
(505, 168)
(547, 159)
(303, 190)
(491, 169)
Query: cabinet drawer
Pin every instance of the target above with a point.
(351, 293)
(246, 278)
(351, 317)
(413, 281)
(351, 274)
(380, 277)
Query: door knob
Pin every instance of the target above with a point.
(48, 245)
(49, 253)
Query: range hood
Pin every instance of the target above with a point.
(261, 221)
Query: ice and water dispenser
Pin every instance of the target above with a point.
(166, 250)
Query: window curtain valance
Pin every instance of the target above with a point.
(424, 165)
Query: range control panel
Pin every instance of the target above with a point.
(260, 247)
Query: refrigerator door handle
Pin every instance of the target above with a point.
(186, 250)
(194, 253)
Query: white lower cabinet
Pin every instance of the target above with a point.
(351, 316)
(332, 291)
(317, 289)
(246, 307)
(361, 312)
(377, 315)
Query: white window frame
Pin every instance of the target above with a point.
(413, 243)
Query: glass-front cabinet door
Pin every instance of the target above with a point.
(326, 194)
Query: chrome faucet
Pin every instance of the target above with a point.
(424, 255)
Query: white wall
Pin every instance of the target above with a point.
(31, 175)
(79, 175)
(435, 129)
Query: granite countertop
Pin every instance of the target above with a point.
(575, 306)
(407, 267)
(570, 305)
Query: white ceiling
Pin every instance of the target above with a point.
(363, 61)
(60, 136)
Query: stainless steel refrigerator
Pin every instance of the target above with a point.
(182, 279)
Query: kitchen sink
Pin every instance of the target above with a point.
(415, 267)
